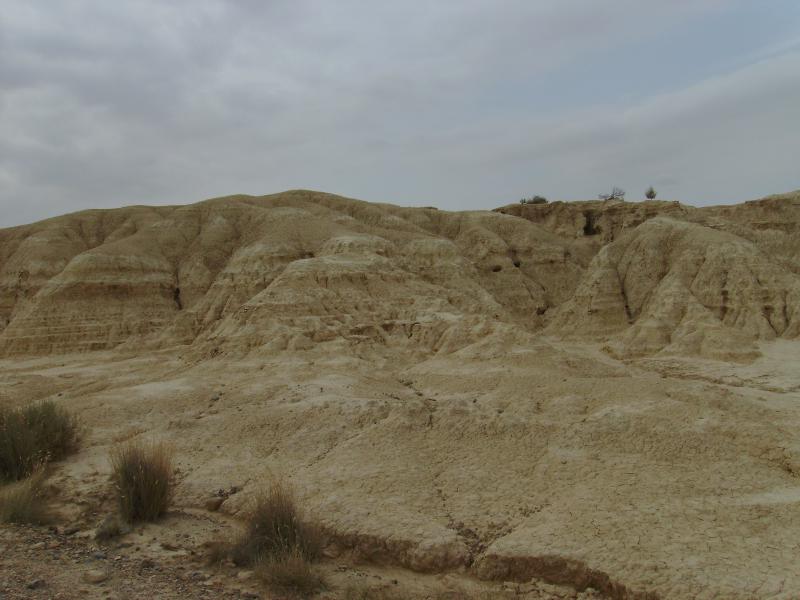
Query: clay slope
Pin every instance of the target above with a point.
(406, 370)
(680, 288)
(241, 273)
(275, 272)
(672, 279)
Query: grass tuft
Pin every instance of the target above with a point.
(275, 527)
(290, 572)
(32, 436)
(143, 480)
(23, 502)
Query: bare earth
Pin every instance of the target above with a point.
(575, 400)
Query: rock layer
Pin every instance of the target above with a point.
(299, 268)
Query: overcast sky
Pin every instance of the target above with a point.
(460, 104)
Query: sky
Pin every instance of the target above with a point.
(460, 104)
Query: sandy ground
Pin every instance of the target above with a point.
(601, 396)
(551, 464)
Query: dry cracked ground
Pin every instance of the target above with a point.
(569, 400)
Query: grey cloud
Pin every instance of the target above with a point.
(105, 104)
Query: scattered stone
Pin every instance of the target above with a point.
(95, 576)
(36, 584)
(244, 575)
(213, 504)
(169, 546)
(71, 530)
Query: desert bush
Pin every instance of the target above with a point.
(534, 200)
(616, 194)
(143, 480)
(32, 436)
(22, 501)
(291, 572)
(651, 193)
(275, 527)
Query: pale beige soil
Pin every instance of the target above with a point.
(642, 473)
(609, 414)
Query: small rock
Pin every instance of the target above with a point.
(95, 576)
(147, 563)
(36, 584)
(38, 546)
(244, 575)
(71, 530)
(213, 504)
(169, 546)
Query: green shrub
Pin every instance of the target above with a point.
(143, 480)
(276, 528)
(32, 436)
(22, 502)
(290, 572)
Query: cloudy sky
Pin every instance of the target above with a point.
(454, 103)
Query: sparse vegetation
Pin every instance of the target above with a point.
(290, 572)
(143, 480)
(534, 200)
(22, 501)
(651, 193)
(280, 543)
(32, 436)
(616, 194)
(276, 527)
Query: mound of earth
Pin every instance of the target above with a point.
(517, 403)
(276, 272)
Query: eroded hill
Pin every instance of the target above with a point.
(516, 398)
(301, 268)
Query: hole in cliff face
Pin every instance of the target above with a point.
(497, 269)
(176, 295)
(590, 227)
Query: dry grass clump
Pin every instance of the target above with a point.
(23, 502)
(280, 543)
(143, 479)
(275, 527)
(290, 572)
(32, 436)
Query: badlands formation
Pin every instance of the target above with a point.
(585, 399)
